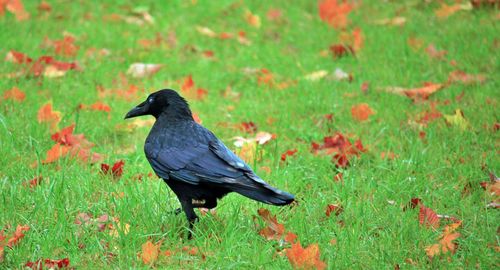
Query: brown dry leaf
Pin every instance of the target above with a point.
(305, 258)
(273, 230)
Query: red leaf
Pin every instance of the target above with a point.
(116, 169)
(189, 91)
(248, 127)
(56, 152)
(462, 77)
(339, 177)
(17, 57)
(97, 106)
(288, 153)
(33, 182)
(339, 50)
(308, 258)
(66, 46)
(361, 112)
(57, 263)
(333, 208)
(333, 13)
(428, 217)
(341, 160)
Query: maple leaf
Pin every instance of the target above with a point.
(48, 263)
(47, 114)
(273, 230)
(335, 14)
(65, 46)
(33, 182)
(16, 7)
(150, 252)
(116, 170)
(308, 258)
(288, 153)
(445, 243)
(361, 112)
(428, 217)
(97, 106)
(56, 152)
(15, 94)
(417, 94)
(189, 90)
(18, 235)
(141, 70)
(457, 119)
(51, 68)
(427, 116)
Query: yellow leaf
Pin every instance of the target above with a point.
(457, 119)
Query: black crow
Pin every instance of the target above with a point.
(196, 165)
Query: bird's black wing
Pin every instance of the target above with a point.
(201, 157)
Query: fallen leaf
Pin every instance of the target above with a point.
(252, 19)
(150, 252)
(33, 182)
(334, 13)
(189, 90)
(361, 112)
(457, 119)
(18, 235)
(141, 70)
(47, 115)
(273, 230)
(14, 94)
(333, 208)
(97, 106)
(462, 77)
(16, 7)
(445, 10)
(288, 153)
(445, 243)
(116, 170)
(428, 217)
(417, 94)
(17, 57)
(308, 258)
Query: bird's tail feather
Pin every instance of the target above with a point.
(266, 194)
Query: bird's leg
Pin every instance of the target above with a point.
(187, 206)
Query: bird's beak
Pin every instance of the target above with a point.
(141, 109)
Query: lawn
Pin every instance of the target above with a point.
(391, 107)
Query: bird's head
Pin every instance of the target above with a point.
(165, 102)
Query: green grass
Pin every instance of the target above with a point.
(375, 234)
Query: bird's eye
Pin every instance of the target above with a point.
(150, 100)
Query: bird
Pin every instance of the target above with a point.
(193, 162)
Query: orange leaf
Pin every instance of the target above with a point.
(417, 94)
(333, 208)
(46, 114)
(18, 235)
(445, 243)
(252, 19)
(308, 258)
(56, 152)
(333, 13)
(361, 112)
(97, 106)
(428, 217)
(66, 46)
(14, 94)
(16, 7)
(150, 252)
